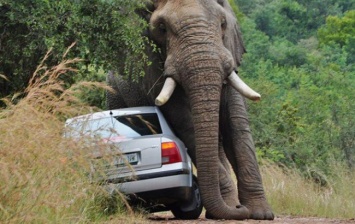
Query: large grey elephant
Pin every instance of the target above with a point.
(194, 80)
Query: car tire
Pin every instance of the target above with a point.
(181, 211)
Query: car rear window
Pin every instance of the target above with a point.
(123, 126)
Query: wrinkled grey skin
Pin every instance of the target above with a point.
(201, 46)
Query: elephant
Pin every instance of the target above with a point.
(194, 79)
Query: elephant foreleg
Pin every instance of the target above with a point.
(227, 185)
(240, 151)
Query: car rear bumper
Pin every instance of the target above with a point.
(158, 183)
(171, 181)
(145, 184)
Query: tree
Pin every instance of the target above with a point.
(102, 30)
(338, 30)
(282, 19)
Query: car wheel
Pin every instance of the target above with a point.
(191, 209)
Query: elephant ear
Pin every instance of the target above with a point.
(233, 37)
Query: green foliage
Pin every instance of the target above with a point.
(338, 30)
(257, 43)
(235, 8)
(306, 78)
(102, 30)
(281, 18)
(285, 53)
(304, 119)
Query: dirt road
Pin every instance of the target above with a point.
(168, 218)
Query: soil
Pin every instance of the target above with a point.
(168, 218)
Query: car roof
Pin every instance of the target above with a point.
(116, 112)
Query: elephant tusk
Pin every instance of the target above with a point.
(242, 87)
(166, 92)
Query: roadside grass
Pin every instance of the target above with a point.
(44, 178)
(290, 193)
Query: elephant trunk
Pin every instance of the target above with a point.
(205, 103)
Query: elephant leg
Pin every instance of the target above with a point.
(240, 150)
(126, 93)
(114, 99)
(227, 185)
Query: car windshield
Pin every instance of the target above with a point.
(128, 126)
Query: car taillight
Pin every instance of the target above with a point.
(170, 153)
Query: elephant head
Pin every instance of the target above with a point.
(202, 28)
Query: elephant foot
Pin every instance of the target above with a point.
(260, 210)
(208, 215)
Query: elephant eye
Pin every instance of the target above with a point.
(224, 23)
(221, 2)
(162, 27)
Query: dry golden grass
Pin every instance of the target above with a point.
(43, 178)
(289, 193)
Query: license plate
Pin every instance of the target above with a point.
(131, 158)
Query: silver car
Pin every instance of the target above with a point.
(142, 158)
